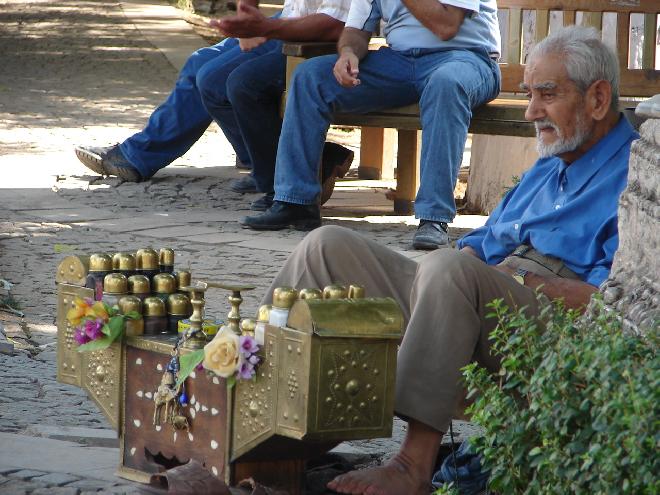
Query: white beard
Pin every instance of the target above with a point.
(561, 145)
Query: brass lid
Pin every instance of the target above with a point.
(164, 283)
(284, 297)
(183, 278)
(146, 259)
(264, 313)
(115, 283)
(178, 305)
(129, 303)
(356, 291)
(335, 291)
(115, 261)
(100, 262)
(166, 257)
(139, 284)
(153, 306)
(247, 326)
(125, 262)
(311, 294)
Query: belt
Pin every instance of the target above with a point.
(555, 265)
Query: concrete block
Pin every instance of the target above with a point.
(58, 479)
(93, 437)
(26, 474)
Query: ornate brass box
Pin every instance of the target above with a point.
(327, 376)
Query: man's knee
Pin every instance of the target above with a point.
(331, 239)
(212, 84)
(314, 71)
(445, 266)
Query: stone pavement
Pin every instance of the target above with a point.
(90, 72)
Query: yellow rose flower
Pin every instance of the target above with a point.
(99, 311)
(75, 314)
(221, 354)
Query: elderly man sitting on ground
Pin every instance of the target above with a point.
(555, 232)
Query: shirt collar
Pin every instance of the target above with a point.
(582, 169)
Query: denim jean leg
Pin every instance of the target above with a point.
(458, 82)
(255, 92)
(212, 83)
(386, 80)
(179, 121)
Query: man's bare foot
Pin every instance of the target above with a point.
(398, 477)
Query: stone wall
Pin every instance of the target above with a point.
(634, 284)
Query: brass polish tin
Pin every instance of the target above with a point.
(100, 262)
(179, 305)
(153, 306)
(166, 257)
(164, 283)
(139, 284)
(146, 259)
(284, 297)
(115, 283)
(130, 303)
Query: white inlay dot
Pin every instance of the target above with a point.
(158, 427)
(214, 411)
(204, 408)
(192, 413)
(215, 380)
(214, 470)
(193, 374)
(148, 395)
(190, 437)
(139, 393)
(137, 423)
(197, 407)
(159, 367)
(138, 361)
(133, 451)
(214, 444)
(193, 400)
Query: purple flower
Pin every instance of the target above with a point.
(199, 367)
(93, 329)
(89, 301)
(247, 345)
(254, 360)
(80, 337)
(246, 371)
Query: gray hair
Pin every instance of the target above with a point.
(586, 58)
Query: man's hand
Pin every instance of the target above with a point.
(346, 69)
(248, 44)
(249, 22)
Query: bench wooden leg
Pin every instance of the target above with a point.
(407, 171)
(377, 148)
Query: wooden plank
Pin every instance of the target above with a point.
(542, 24)
(569, 17)
(593, 19)
(308, 49)
(623, 40)
(648, 48)
(282, 474)
(514, 41)
(407, 181)
(377, 156)
(644, 6)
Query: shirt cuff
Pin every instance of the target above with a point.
(335, 13)
(470, 5)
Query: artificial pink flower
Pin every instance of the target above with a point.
(80, 337)
(246, 371)
(247, 345)
(93, 328)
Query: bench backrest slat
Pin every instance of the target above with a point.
(639, 75)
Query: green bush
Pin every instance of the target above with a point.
(574, 409)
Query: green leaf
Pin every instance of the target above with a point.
(133, 315)
(96, 344)
(231, 381)
(187, 363)
(114, 328)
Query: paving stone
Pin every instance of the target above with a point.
(56, 490)
(26, 474)
(57, 479)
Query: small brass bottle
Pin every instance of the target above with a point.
(178, 308)
(115, 286)
(127, 304)
(263, 317)
(139, 286)
(124, 263)
(155, 316)
(283, 299)
(100, 264)
(147, 262)
(163, 284)
(183, 279)
(166, 260)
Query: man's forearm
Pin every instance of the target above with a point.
(575, 293)
(442, 20)
(315, 27)
(252, 3)
(354, 40)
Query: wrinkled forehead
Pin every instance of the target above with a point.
(545, 73)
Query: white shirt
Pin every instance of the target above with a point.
(337, 9)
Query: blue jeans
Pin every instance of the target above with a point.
(199, 96)
(448, 85)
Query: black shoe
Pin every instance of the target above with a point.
(335, 163)
(243, 185)
(430, 235)
(282, 215)
(263, 203)
(108, 160)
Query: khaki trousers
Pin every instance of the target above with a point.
(443, 299)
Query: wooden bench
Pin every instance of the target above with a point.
(504, 116)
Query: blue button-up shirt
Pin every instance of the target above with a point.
(562, 210)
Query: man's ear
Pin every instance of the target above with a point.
(599, 98)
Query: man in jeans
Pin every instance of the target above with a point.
(238, 83)
(442, 54)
